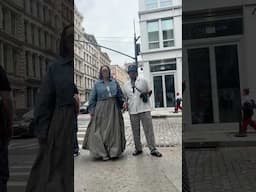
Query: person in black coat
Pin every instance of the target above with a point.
(6, 114)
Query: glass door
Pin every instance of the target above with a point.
(170, 90)
(164, 90)
(200, 85)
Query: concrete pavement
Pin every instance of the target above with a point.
(144, 173)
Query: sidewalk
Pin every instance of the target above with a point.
(161, 113)
(218, 138)
(143, 173)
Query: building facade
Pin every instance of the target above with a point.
(161, 49)
(219, 60)
(29, 42)
(79, 51)
(87, 60)
(119, 74)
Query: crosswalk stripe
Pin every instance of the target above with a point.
(19, 173)
(17, 183)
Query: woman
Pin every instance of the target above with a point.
(53, 169)
(105, 137)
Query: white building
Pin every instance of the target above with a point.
(161, 48)
(219, 60)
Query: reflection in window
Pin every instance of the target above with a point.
(151, 4)
(162, 65)
(153, 34)
(200, 85)
(158, 92)
(165, 3)
(167, 30)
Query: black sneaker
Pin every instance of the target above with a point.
(135, 153)
(156, 153)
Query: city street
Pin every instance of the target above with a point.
(22, 153)
(143, 173)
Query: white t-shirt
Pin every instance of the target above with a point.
(135, 103)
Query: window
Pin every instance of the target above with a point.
(32, 34)
(44, 14)
(41, 67)
(31, 7)
(45, 40)
(167, 30)
(4, 19)
(26, 30)
(13, 23)
(34, 64)
(27, 64)
(162, 65)
(39, 38)
(5, 52)
(151, 4)
(153, 35)
(165, 3)
(15, 61)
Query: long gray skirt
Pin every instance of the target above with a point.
(53, 170)
(105, 135)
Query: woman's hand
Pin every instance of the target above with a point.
(125, 106)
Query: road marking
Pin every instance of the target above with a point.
(17, 184)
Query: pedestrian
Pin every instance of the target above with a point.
(53, 169)
(178, 103)
(105, 136)
(6, 115)
(77, 103)
(137, 93)
(248, 105)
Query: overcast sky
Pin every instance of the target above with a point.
(111, 21)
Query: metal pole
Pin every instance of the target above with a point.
(106, 48)
(135, 40)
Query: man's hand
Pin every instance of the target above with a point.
(125, 106)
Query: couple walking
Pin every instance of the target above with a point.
(105, 135)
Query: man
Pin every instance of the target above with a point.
(6, 114)
(178, 103)
(137, 92)
(247, 109)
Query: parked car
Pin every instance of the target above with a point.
(23, 127)
(84, 108)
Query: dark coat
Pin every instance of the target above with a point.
(56, 91)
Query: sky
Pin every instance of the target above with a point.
(111, 21)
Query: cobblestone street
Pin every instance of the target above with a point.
(167, 130)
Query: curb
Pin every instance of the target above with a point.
(165, 116)
(218, 144)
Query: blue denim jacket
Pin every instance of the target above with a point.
(100, 93)
(57, 90)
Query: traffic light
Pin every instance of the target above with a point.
(137, 49)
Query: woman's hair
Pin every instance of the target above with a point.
(63, 47)
(100, 73)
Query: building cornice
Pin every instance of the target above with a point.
(161, 51)
(159, 10)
